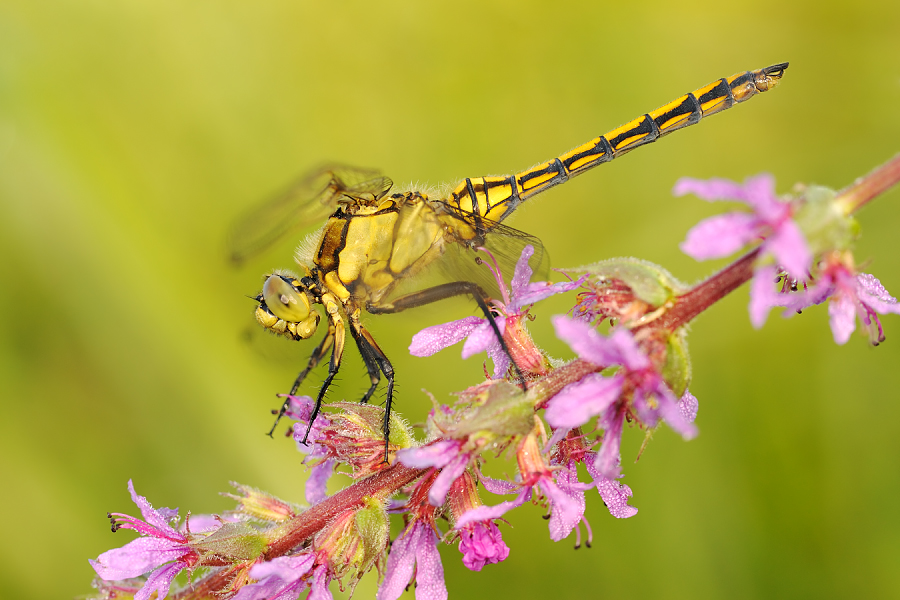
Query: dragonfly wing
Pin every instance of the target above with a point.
(310, 199)
(460, 262)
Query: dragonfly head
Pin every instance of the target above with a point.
(285, 307)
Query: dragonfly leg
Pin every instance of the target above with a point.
(449, 290)
(334, 366)
(376, 363)
(314, 360)
(370, 359)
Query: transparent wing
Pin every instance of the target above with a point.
(310, 199)
(459, 262)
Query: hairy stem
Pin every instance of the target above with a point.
(295, 532)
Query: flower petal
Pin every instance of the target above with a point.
(429, 570)
(319, 585)
(437, 495)
(670, 411)
(482, 544)
(482, 337)
(567, 502)
(522, 274)
(607, 459)
(159, 581)
(711, 190)
(763, 296)
(720, 236)
(400, 564)
(617, 349)
(316, 483)
(534, 292)
(790, 250)
(615, 495)
(286, 568)
(582, 400)
(498, 486)
(489, 513)
(842, 313)
(137, 557)
(151, 516)
(873, 294)
(688, 406)
(437, 337)
(436, 454)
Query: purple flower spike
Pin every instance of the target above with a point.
(414, 550)
(160, 545)
(482, 544)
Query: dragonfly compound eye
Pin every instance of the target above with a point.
(284, 301)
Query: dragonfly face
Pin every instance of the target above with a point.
(285, 308)
(375, 253)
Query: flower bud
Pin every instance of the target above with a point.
(355, 540)
(261, 505)
(354, 437)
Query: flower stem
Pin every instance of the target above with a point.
(708, 292)
(867, 187)
(294, 532)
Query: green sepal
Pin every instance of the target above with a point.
(676, 371)
(649, 282)
(823, 222)
(233, 541)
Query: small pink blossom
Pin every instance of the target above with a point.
(481, 543)
(414, 551)
(477, 332)
(850, 296)
(770, 223)
(162, 551)
(446, 455)
(285, 578)
(600, 396)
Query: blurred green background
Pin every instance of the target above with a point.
(133, 132)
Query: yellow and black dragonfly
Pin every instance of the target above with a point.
(374, 247)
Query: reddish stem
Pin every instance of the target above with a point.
(705, 294)
(302, 527)
(864, 189)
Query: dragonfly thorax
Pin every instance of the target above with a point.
(285, 308)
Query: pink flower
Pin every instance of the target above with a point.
(601, 396)
(446, 455)
(414, 550)
(851, 296)
(285, 578)
(477, 331)
(566, 501)
(770, 223)
(161, 549)
(481, 543)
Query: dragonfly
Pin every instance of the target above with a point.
(374, 247)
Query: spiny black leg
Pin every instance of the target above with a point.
(371, 352)
(448, 290)
(369, 358)
(387, 409)
(314, 359)
(333, 368)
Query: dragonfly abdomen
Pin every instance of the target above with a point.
(494, 198)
